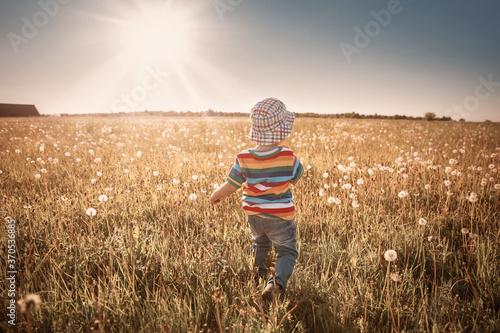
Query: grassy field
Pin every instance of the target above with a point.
(156, 256)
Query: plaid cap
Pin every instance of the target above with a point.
(271, 122)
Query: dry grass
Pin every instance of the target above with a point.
(155, 258)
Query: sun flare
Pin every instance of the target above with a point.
(155, 35)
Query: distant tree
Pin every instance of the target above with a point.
(429, 116)
(462, 119)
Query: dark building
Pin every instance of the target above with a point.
(18, 110)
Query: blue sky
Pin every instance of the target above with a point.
(387, 57)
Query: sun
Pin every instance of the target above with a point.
(157, 34)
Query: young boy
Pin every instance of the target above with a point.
(267, 172)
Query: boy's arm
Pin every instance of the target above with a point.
(225, 190)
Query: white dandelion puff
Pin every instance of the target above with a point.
(390, 255)
(402, 194)
(103, 198)
(192, 196)
(422, 221)
(91, 212)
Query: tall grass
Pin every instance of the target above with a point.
(157, 258)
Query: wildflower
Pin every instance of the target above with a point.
(159, 187)
(66, 154)
(93, 181)
(91, 212)
(155, 173)
(352, 195)
(176, 181)
(484, 182)
(347, 186)
(37, 176)
(103, 198)
(360, 181)
(78, 160)
(427, 187)
(195, 177)
(326, 186)
(26, 206)
(139, 153)
(309, 167)
(192, 196)
(29, 303)
(473, 197)
(402, 194)
(390, 255)
(325, 175)
(216, 186)
(109, 189)
(473, 236)
(186, 184)
(126, 171)
(18, 151)
(395, 277)
(99, 173)
(63, 198)
(370, 172)
(447, 183)
(321, 192)
(430, 238)
(355, 204)
(497, 186)
(331, 200)
(221, 164)
(464, 231)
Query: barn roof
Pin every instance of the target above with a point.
(18, 110)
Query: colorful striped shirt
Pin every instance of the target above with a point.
(268, 174)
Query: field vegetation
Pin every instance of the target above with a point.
(398, 226)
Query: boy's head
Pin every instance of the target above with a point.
(271, 122)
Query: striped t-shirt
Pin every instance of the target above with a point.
(268, 174)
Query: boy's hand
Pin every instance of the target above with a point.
(214, 198)
(223, 191)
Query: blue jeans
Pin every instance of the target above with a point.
(281, 233)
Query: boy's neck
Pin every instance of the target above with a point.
(262, 147)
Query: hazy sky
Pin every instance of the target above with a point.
(324, 56)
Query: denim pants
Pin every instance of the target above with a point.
(281, 233)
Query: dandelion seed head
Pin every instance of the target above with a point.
(91, 212)
(325, 175)
(422, 221)
(30, 303)
(464, 231)
(192, 196)
(390, 255)
(402, 194)
(473, 197)
(103, 198)
(395, 277)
